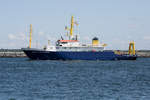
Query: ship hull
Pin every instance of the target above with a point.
(126, 57)
(36, 54)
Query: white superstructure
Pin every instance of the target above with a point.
(72, 44)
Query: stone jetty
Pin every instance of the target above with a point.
(11, 53)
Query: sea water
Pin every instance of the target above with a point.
(24, 79)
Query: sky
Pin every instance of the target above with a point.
(114, 22)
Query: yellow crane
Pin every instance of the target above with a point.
(132, 48)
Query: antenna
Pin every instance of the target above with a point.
(30, 36)
(48, 42)
(36, 44)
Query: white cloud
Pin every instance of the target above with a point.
(18, 36)
(146, 37)
(86, 38)
(17, 40)
(12, 44)
(41, 33)
(11, 36)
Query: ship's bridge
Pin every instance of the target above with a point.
(67, 43)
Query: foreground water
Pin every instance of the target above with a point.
(23, 79)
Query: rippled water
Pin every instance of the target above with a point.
(23, 79)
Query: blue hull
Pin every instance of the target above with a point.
(126, 57)
(50, 55)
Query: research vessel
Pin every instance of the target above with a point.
(72, 49)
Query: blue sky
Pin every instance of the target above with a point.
(114, 22)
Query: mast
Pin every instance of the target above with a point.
(71, 29)
(30, 36)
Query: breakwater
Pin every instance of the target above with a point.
(20, 53)
(12, 53)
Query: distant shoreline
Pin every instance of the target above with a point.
(13, 53)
